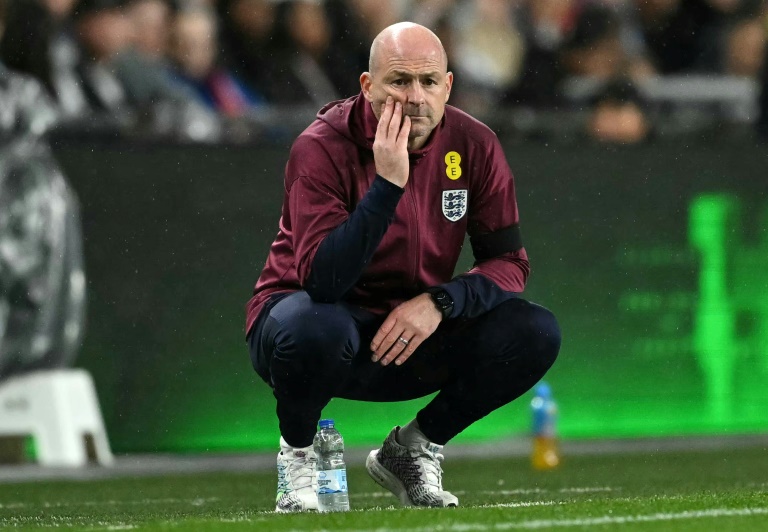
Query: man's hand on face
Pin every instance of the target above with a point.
(390, 147)
(406, 327)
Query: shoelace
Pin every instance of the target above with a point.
(300, 471)
(433, 472)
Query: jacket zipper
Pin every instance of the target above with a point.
(413, 228)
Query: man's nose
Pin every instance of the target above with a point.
(415, 93)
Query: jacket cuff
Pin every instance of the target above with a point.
(458, 293)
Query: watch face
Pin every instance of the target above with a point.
(443, 301)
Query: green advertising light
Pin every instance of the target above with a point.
(712, 230)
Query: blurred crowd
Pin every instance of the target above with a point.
(149, 59)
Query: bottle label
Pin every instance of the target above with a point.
(331, 481)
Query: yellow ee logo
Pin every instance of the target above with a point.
(453, 165)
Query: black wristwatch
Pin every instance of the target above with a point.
(442, 300)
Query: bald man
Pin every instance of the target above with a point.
(358, 297)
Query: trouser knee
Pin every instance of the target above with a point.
(521, 334)
(511, 348)
(303, 337)
(541, 332)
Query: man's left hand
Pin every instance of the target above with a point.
(406, 327)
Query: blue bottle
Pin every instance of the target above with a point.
(545, 454)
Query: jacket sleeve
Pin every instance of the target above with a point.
(333, 241)
(492, 208)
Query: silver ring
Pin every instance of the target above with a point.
(401, 339)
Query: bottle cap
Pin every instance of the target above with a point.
(543, 390)
(326, 423)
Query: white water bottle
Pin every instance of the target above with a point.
(332, 494)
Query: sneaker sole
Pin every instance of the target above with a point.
(297, 505)
(293, 510)
(382, 476)
(284, 511)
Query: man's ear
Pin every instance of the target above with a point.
(448, 85)
(365, 85)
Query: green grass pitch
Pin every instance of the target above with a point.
(712, 490)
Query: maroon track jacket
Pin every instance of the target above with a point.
(459, 184)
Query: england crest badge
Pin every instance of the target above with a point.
(454, 204)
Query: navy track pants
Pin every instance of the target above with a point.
(311, 352)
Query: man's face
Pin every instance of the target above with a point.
(416, 77)
(104, 33)
(60, 8)
(194, 44)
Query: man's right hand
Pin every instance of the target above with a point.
(390, 147)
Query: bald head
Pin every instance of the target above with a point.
(401, 40)
(408, 67)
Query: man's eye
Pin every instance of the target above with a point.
(430, 82)
(398, 82)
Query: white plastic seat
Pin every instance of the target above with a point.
(58, 408)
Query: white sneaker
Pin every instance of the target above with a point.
(296, 479)
(414, 475)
